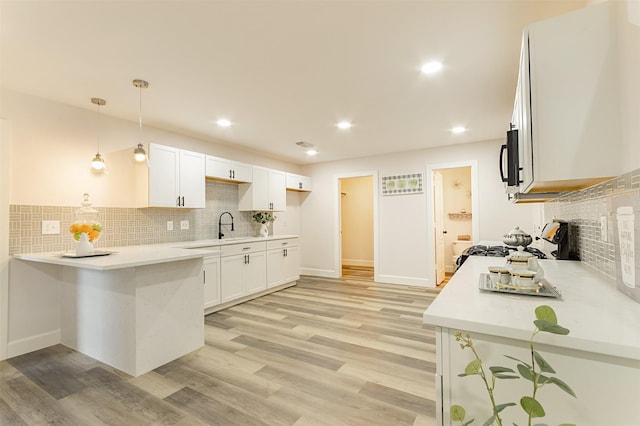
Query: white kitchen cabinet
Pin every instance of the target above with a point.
(267, 192)
(283, 262)
(567, 101)
(228, 170)
(298, 183)
(211, 280)
(174, 178)
(242, 270)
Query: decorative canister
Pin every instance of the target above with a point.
(86, 223)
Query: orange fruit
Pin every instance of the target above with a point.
(85, 228)
(93, 235)
(74, 228)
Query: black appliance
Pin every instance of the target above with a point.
(494, 251)
(557, 232)
(512, 179)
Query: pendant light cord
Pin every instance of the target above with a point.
(140, 116)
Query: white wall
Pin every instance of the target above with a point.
(401, 223)
(52, 145)
(357, 220)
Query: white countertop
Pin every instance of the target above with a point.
(132, 256)
(600, 318)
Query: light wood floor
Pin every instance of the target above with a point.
(325, 352)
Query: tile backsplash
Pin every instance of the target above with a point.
(584, 209)
(130, 226)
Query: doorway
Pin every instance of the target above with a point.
(357, 230)
(453, 189)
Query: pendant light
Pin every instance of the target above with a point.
(97, 164)
(139, 154)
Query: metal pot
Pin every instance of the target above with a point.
(516, 237)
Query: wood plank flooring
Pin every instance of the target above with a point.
(325, 352)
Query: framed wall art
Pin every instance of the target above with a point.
(402, 184)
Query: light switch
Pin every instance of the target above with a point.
(184, 224)
(169, 225)
(50, 227)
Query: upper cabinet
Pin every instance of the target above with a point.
(298, 183)
(567, 103)
(228, 170)
(266, 192)
(174, 178)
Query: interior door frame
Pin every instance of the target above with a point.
(4, 238)
(337, 261)
(475, 210)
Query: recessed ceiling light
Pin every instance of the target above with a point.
(223, 122)
(458, 129)
(311, 152)
(431, 67)
(344, 125)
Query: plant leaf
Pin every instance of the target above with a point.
(473, 367)
(498, 373)
(549, 327)
(532, 407)
(546, 313)
(544, 365)
(490, 421)
(519, 360)
(542, 379)
(457, 413)
(525, 372)
(501, 407)
(562, 385)
(496, 369)
(470, 421)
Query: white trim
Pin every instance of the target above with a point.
(4, 238)
(475, 208)
(33, 343)
(337, 249)
(413, 281)
(325, 273)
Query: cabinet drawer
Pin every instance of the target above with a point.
(288, 242)
(243, 248)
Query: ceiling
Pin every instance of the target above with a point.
(281, 71)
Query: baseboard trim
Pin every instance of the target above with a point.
(413, 281)
(33, 343)
(325, 273)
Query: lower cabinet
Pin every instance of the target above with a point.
(211, 280)
(283, 262)
(242, 270)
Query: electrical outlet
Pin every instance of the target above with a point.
(604, 229)
(50, 227)
(184, 224)
(169, 225)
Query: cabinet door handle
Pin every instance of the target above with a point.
(234, 173)
(285, 253)
(299, 185)
(178, 201)
(204, 277)
(183, 201)
(230, 176)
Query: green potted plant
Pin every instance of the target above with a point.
(263, 219)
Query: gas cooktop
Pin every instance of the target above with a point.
(495, 251)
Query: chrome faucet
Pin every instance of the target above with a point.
(220, 234)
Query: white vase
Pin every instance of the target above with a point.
(84, 247)
(264, 230)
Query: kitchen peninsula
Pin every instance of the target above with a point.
(599, 359)
(135, 309)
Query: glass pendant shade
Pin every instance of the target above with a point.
(139, 154)
(98, 164)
